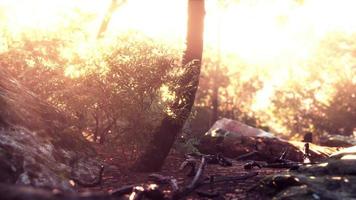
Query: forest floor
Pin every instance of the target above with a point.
(119, 174)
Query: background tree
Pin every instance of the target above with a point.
(323, 101)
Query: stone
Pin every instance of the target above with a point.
(38, 145)
(236, 128)
(85, 171)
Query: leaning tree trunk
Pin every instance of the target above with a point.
(163, 138)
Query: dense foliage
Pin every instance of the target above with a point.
(116, 93)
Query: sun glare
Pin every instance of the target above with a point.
(272, 32)
(42, 15)
(275, 38)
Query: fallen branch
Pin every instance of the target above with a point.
(221, 179)
(218, 159)
(212, 180)
(287, 165)
(194, 184)
(252, 164)
(247, 155)
(127, 189)
(199, 173)
(158, 178)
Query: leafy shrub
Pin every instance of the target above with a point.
(113, 94)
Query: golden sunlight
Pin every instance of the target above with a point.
(167, 95)
(275, 38)
(121, 88)
(49, 16)
(271, 33)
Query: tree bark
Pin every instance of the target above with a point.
(163, 138)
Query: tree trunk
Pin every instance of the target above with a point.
(163, 138)
(104, 24)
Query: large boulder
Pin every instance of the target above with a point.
(236, 128)
(234, 139)
(38, 145)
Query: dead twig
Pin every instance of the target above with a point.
(284, 154)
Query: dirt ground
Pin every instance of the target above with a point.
(118, 174)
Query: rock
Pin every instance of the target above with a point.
(85, 172)
(333, 179)
(38, 145)
(34, 158)
(337, 141)
(233, 139)
(11, 165)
